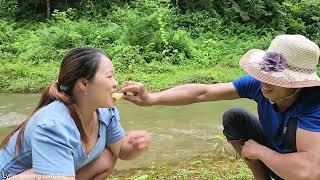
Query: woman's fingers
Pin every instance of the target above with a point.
(139, 139)
(139, 135)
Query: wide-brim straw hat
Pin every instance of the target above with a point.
(289, 62)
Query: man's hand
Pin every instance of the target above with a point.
(252, 150)
(136, 93)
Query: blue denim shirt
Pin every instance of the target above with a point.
(52, 144)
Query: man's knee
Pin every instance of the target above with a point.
(230, 115)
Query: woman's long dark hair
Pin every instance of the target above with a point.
(77, 63)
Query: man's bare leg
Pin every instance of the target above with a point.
(257, 168)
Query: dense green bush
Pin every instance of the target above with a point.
(303, 16)
(8, 36)
(146, 38)
(259, 11)
(8, 9)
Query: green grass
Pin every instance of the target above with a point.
(181, 75)
(208, 165)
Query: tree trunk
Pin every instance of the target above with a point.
(48, 8)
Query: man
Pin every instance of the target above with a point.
(284, 141)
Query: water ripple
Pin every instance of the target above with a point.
(194, 133)
(12, 118)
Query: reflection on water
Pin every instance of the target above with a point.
(5, 131)
(177, 132)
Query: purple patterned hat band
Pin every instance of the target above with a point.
(276, 62)
(299, 69)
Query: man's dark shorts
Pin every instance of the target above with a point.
(240, 126)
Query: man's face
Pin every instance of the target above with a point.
(275, 92)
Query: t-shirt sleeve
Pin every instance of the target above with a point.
(247, 87)
(114, 130)
(309, 119)
(53, 146)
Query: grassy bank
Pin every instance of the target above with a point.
(209, 165)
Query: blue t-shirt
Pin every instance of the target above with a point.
(306, 110)
(52, 144)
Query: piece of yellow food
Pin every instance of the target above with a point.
(129, 93)
(117, 96)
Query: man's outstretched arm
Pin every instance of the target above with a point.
(180, 95)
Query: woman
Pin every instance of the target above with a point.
(75, 130)
(284, 141)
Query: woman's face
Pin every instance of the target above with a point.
(103, 84)
(275, 92)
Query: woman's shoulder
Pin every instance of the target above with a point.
(106, 114)
(52, 122)
(53, 116)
